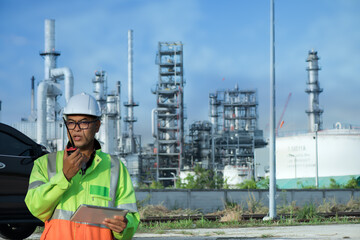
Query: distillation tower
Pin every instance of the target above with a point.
(198, 150)
(238, 110)
(110, 132)
(233, 115)
(130, 104)
(125, 144)
(48, 109)
(168, 128)
(45, 125)
(314, 90)
(227, 142)
(319, 156)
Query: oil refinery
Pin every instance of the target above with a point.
(315, 157)
(229, 141)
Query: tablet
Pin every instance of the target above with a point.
(96, 214)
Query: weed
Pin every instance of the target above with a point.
(328, 206)
(203, 223)
(153, 211)
(185, 223)
(267, 236)
(255, 206)
(307, 212)
(232, 212)
(288, 209)
(353, 205)
(160, 231)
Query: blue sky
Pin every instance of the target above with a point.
(223, 39)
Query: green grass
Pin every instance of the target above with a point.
(203, 223)
(267, 236)
(306, 215)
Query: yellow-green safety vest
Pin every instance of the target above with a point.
(53, 199)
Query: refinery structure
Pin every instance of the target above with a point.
(229, 142)
(318, 155)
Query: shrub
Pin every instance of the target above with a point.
(352, 183)
(202, 179)
(307, 212)
(334, 184)
(247, 184)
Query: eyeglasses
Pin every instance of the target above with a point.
(82, 124)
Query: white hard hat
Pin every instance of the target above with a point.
(82, 104)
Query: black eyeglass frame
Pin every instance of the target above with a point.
(78, 124)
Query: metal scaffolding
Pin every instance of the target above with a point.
(233, 110)
(169, 137)
(233, 115)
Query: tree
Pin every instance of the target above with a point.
(202, 179)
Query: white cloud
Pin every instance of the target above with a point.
(230, 41)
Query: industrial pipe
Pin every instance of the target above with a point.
(49, 51)
(118, 121)
(49, 89)
(68, 80)
(41, 113)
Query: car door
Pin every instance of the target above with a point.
(17, 154)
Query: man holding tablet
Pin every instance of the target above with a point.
(82, 175)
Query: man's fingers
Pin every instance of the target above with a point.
(76, 156)
(121, 218)
(117, 224)
(115, 219)
(115, 227)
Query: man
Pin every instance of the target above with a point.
(60, 182)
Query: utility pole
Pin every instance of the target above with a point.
(272, 182)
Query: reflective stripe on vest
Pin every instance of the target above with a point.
(35, 184)
(51, 167)
(114, 179)
(66, 215)
(128, 206)
(51, 171)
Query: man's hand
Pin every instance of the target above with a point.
(116, 224)
(73, 163)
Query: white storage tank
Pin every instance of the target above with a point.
(236, 174)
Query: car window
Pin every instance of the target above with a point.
(13, 146)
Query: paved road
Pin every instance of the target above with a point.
(333, 231)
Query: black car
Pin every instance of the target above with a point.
(17, 155)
